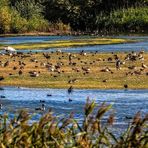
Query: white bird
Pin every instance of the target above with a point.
(9, 49)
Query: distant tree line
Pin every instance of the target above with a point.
(18, 16)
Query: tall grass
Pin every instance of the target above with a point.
(50, 131)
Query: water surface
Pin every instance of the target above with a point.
(141, 44)
(125, 102)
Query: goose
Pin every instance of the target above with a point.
(132, 67)
(1, 78)
(34, 74)
(128, 117)
(20, 72)
(6, 64)
(42, 108)
(49, 95)
(104, 80)
(144, 66)
(110, 59)
(72, 81)
(105, 70)
(70, 89)
(118, 63)
(2, 96)
(70, 100)
(46, 56)
(125, 86)
(1, 106)
(14, 68)
(42, 101)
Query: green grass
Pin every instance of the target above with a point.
(69, 43)
(92, 80)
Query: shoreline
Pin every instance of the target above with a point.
(71, 34)
(69, 43)
(75, 88)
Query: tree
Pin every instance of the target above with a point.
(5, 19)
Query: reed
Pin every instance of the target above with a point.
(51, 131)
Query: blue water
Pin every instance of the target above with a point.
(141, 44)
(125, 102)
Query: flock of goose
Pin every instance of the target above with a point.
(19, 65)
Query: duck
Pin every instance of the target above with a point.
(42, 101)
(128, 117)
(42, 108)
(70, 100)
(3, 97)
(49, 95)
(70, 89)
(1, 106)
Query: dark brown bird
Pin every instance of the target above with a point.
(6, 64)
(46, 56)
(20, 72)
(14, 68)
(1, 78)
(70, 90)
(125, 86)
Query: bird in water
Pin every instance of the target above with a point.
(70, 100)
(42, 108)
(70, 89)
(49, 95)
(1, 106)
(42, 101)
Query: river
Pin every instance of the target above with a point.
(125, 102)
(141, 44)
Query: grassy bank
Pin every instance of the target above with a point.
(93, 70)
(69, 43)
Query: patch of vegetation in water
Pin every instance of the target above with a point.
(70, 43)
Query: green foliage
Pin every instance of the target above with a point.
(18, 24)
(37, 24)
(5, 19)
(130, 19)
(51, 131)
(4, 3)
(99, 16)
(29, 9)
